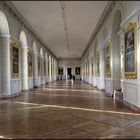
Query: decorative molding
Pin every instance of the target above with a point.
(6, 35)
(11, 9)
(107, 11)
(129, 18)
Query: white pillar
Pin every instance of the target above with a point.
(95, 76)
(42, 70)
(35, 70)
(46, 61)
(121, 38)
(102, 69)
(90, 71)
(24, 75)
(5, 65)
(50, 71)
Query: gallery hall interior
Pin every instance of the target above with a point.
(69, 70)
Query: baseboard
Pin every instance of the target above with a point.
(131, 106)
(10, 96)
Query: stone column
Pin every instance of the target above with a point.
(82, 71)
(85, 70)
(50, 71)
(46, 61)
(47, 68)
(5, 63)
(53, 71)
(35, 70)
(42, 70)
(24, 64)
(90, 71)
(121, 37)
(102, 69)
(95, 76)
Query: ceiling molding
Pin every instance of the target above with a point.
(103, 18)
(11, 9)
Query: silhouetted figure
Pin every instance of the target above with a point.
(61, 77)
(70, 76)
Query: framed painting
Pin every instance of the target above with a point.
(15, 60)
(30, 66)
(60, 71)
(44, 67)
(77, 71)
(108, 60)
(130, 52)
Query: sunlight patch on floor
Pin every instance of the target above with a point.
(82, 109)
(57, 89)
(2, 137)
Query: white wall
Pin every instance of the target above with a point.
(69, 63)
(15, 27)
(130, 13)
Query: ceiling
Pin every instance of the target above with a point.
(66, 37)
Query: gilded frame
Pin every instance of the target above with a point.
(15, 48)
(77, 70)
(60, 70)
(131, 28)
(108, 58)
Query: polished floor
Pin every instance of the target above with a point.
(67, 110)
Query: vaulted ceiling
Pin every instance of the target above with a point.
(65, 26)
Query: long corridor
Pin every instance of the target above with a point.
(66, 110)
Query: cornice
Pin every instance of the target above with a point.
(136, 12)
(107, 11)
(11, 9)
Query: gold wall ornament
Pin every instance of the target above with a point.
(108, 59)
(130, 52)
(30, 63)
(15, 60)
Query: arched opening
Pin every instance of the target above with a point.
(4, 27)
(24, 61)
(116, 69)
(5, 56)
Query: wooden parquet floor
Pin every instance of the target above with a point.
(67, 110)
